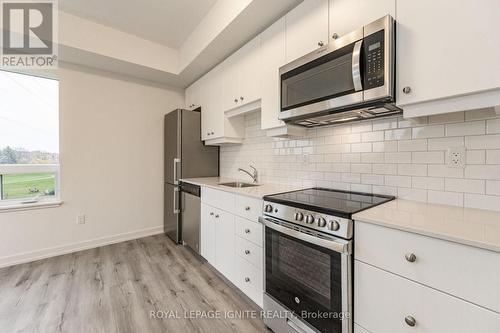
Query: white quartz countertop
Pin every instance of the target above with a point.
(254, 191)
(474, 227)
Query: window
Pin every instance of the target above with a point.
(29, 139)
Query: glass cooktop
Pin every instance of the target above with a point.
(329, 201)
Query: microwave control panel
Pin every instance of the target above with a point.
(373, 46)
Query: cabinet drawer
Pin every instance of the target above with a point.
(383, 301)
(220, 199)
(251, 231)
(249, 251)
(249, 208)
(453, 268)
(250, 280)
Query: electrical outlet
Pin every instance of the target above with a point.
(82, 219)
(455, 158)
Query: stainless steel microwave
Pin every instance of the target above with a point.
(351, 78)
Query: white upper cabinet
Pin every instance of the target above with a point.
(349, 15)
(193, 96)
(241, 81)
(447, 50)
(272, 56)
(306, 28)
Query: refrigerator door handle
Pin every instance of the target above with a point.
(176, 162)
(176, 200)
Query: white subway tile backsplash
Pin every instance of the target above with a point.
(395, 156)
(412, 145)
(493, 126)
(434, 157)
(412, 169)
(483, 142)
(433, 131)
(468, 128)
(445, 143)
(493, 187)
(482, 172)
(446, 198)
(428, 183)
(464, 185)
(372, 136)
(493, 156)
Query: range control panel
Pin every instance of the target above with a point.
(373, 47)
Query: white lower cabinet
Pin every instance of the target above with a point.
(405, 282)
(231, 239)
(387, 303)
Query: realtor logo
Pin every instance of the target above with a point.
(29, 33)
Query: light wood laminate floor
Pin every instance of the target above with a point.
(114, 288)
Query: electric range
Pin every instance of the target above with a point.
(308, 258)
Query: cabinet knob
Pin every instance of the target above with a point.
(241, 98)
(410, 321)
(208, 133)
(236, 100)
(335, 35)
(407, 90)
(247, 231)
(247, 279)
(320, 43)
(247, 208)
(212, 133)
(211, 213)
(247, 252)
(410, 257)
(217, 216)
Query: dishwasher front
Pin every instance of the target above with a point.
(190, 215)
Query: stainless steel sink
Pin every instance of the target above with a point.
(238, 184)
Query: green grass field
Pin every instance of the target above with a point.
(28, 185)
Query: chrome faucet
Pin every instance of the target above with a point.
(254, 175)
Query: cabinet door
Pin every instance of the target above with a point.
(306, 26)
(272, 57)
(349, 15)
(230, 97)
(207, 233)
(248, 72)
(446, 48)
(224, 244)
(217, 118)
(204, 98)
(193, 96)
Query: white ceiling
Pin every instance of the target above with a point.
(167, 22)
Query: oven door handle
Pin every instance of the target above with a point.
(337, 245)
(356, 66)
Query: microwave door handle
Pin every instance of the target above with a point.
(356, 66)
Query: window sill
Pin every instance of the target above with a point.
(36, 205)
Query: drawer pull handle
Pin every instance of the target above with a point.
(410, 257)
(410, 321)
(247, 231)
(247, 252)
(247, 279)
(247, 208)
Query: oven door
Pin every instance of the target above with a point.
(324, 80)
(309, 275)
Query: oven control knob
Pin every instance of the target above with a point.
(309, 219)
(268, 209)
(333, 225)
(299, 216)
(321, 222)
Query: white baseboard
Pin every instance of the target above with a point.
(75, 247)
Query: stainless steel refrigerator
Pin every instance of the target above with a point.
(185, 157)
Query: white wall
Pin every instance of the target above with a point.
(111, 153)
(406, 158)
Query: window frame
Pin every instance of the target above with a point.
(7, 169)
